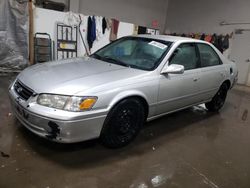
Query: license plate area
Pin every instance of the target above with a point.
(21, 112)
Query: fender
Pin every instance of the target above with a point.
(125, 94)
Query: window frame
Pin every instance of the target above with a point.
(216, 54)
(198, 63)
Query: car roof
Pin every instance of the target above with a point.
(170, 38)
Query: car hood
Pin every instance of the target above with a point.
(72, 76)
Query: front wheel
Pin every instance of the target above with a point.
(218, 100)
(123, 123)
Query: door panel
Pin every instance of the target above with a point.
(178, 91)
(212, 71)
(210, 81)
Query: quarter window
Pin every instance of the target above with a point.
(185, 55)
(208, 56)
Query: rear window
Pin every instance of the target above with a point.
(208, 56)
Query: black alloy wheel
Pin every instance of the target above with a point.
(123, 123)
(218, 100)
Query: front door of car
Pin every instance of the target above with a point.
(212, 71)
(177, 91)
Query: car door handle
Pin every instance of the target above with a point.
(195, 79)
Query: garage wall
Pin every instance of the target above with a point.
(45, 21)
(140, 12)
(205, 16)
(74, 6)
(202, 16)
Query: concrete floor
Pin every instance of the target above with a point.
(191, 148)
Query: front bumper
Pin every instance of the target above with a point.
(64, 128)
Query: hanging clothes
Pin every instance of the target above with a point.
(71, 19)
(91, 33)
(192, 35)
(98, 27)
(142, 30)
(203, 36)
(114, 29)
(225, 43)
(220, 43)
(215, 40)
(208, 38)
(109, 23)
(197, 36)
(104, 25)
(89, 38)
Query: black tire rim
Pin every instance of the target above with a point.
(126, 123)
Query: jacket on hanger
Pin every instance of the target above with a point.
(225, 43)
(203, 36)
(208, 38)
(98, 21)
(104, 25)
(215, 40)
(91, 33)
(114, 29)
(220, 43)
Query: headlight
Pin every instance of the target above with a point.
(69, 103)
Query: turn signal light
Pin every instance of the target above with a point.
(87, 103)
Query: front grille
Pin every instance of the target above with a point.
(23, 91)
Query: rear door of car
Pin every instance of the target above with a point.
(212, 71)
(180, 90)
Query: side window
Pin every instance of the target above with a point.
(185, 55)
(208, 56)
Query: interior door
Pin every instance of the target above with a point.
(180, 90)
(241, 55)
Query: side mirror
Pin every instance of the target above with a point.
(173, 69)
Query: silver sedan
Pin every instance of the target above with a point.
(114, 91)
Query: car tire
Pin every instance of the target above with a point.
(123, 123)
(218, 100)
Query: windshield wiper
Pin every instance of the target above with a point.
(110, 60)
(115, 61)
(96, 56)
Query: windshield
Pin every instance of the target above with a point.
(134, 52)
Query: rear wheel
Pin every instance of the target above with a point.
(123, 123)
(218, 100)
